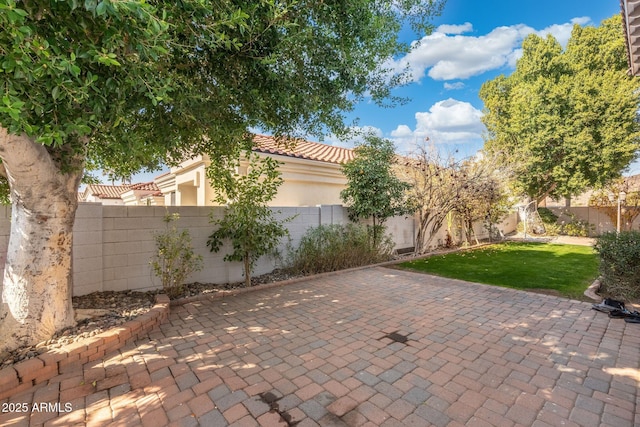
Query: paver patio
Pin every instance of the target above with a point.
(328, 351)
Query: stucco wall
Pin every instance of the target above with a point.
(506, 226)
(305, 183)
(594, 216)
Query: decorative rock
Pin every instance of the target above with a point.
(91, 313)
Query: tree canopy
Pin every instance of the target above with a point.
(566, 119)
(134, 83)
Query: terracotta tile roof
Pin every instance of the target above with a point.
(104, 191)
(145, 186)
(303, 150)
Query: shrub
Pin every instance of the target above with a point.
(547, 216)
(174, 259)
(552, 229)
(336, 247)
(577, 227)
(620, 264)
(550, 221)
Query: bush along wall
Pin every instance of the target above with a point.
(620, 264)
(337, 247)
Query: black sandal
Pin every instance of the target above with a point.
(614, 303)
(608, 305)
(619, 314)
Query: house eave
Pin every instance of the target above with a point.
(630, 10)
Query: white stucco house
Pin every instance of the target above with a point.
(311, 172)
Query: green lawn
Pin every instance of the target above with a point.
(565, 270)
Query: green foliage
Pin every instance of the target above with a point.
(550, 222)
(174, 259)
(336, 247)
(130, 84)
(577, 227)
(373, 190)
(620, 264)
(552, 229)
(547, 216)
(4, 191)
(548, 119)
(248, 222)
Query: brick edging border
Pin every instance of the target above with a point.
(27, 373)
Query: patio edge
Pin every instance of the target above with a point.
(25, 374)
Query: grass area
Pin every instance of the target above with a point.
(565, 270)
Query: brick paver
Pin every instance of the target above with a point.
(374, 347)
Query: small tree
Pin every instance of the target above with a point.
(174, 259)
(497, 204)
(373, 190)
(480, 197)
(248, 222)
(437, 185)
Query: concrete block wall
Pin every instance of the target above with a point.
(88, 249)
(114, 244)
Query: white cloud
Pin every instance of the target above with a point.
(455, 29)
(402, 131)
(447, 54)
(454, 86)
(448, 121)
(452, 122)
(451, 115)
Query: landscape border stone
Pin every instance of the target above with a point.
(27, 373)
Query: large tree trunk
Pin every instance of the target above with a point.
(37, 285)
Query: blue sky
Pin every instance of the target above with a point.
(474, 41)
